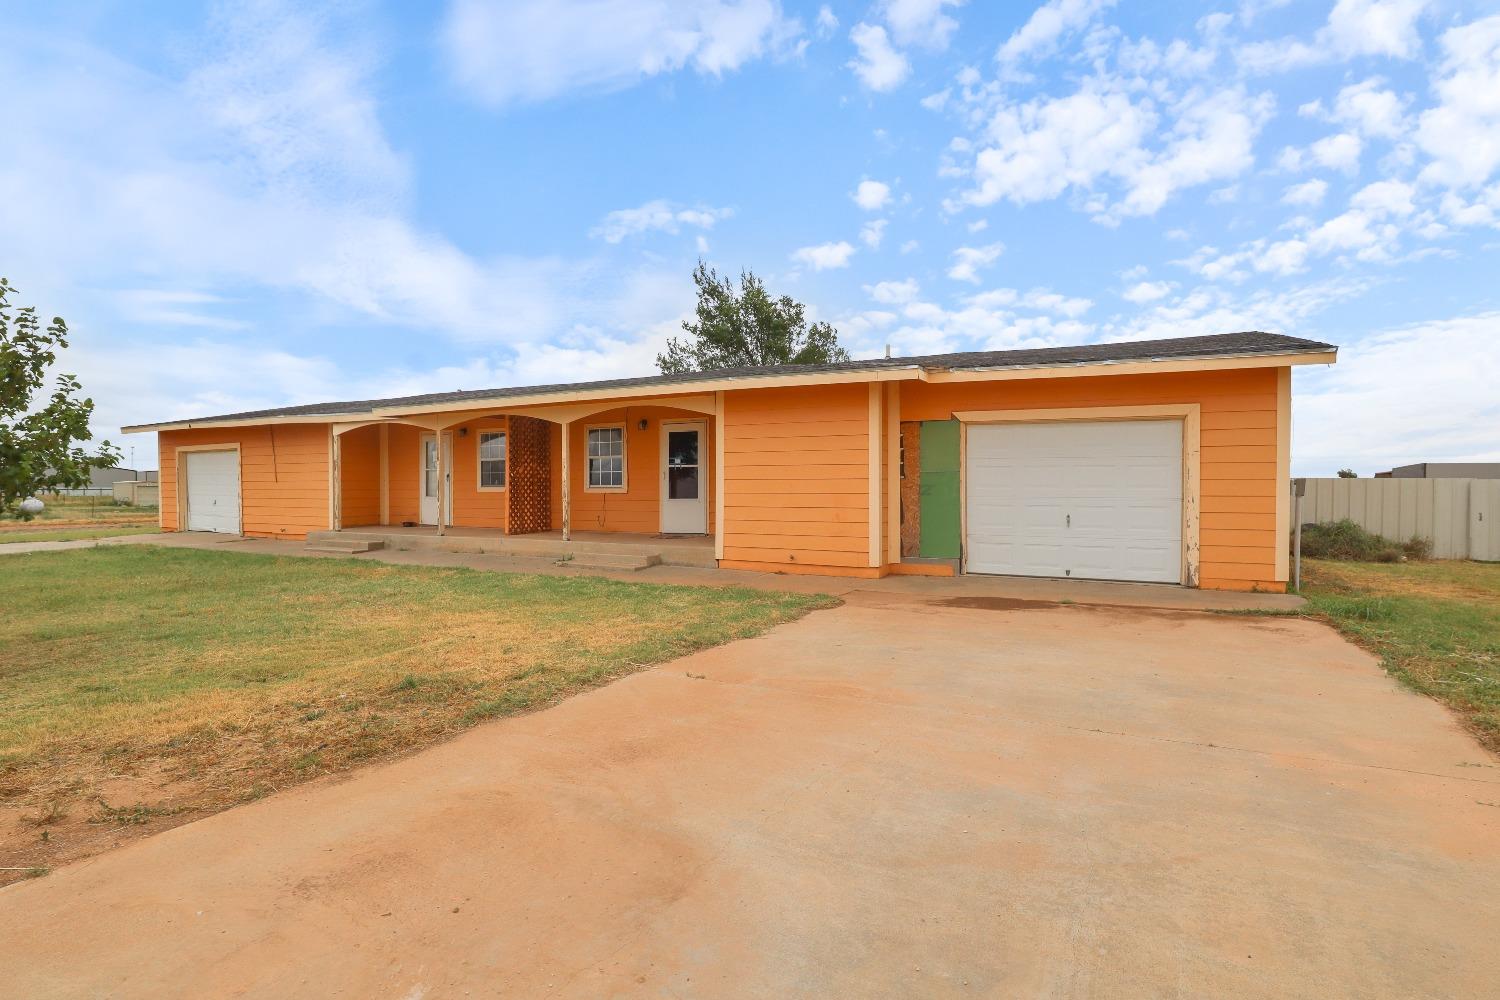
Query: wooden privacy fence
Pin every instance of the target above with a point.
(1460, 516)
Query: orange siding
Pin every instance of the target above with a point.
(283, 476)
(1237, 465)
(638, 507)
(405, 470)
(473, 507)
(797, 478)
(359, 477)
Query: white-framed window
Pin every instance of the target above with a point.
(606, 457)
(492, 457)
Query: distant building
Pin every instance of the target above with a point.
(1444, 470)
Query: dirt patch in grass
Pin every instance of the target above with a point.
(141, 687)
(1434, 625)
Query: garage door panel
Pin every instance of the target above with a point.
(1091, 499)
(213, 491)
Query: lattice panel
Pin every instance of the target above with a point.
(530, 494)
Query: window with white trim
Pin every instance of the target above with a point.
(606, 455)
(492, 455)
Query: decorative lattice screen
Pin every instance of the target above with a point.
(530, 494)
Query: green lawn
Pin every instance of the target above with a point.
(1435, 626)
(74, 534)
(234, 673)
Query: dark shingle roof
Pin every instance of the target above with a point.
(1177, 348)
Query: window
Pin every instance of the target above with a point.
(492, 460)
(606, 458)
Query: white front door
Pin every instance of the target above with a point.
(213, 490)
(428, 488)
(684, 480)
(1099, 500)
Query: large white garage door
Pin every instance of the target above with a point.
(213, 491)
(1100, 500)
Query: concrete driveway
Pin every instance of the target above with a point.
(890, 799)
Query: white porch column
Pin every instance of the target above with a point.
(442, 485)
(567, 505)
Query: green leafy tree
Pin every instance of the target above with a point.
(1348, 474)
(747, 327)
(40, 442)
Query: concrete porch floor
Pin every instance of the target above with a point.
(993, 592)
(672, 550)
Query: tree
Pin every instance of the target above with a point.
(747, 328)
(40, 443)
(1348, 474)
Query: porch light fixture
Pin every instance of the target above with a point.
(641, 425)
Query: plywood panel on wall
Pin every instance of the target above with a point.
(283, 476)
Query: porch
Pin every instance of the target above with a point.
(632, 480)
(585, 549)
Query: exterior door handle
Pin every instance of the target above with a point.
(1069, 520)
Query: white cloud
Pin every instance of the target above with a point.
(534, 50)
(1462, 132)
(658, 215)
(872, 233)
(1392, 380)
(1042, 147)
(1354, 28)
(1372, 109)
(920, 22)
(968, 261)
(826, 21)
(1337, 152)
(871, 196)
(894, 292)
(1307, 193)
(1147, 291)
(1389, 198)
(978, 225)
(824, 256)
(1283, 257)
(1047, 24)
(879, 66)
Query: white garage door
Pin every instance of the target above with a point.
(1100, 500)
(213, 491)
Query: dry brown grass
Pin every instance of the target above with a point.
(172, 682)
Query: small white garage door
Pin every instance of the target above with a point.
(213, 491)
(1101, 500)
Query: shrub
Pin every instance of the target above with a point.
(1347, 540)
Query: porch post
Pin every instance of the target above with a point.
(442, 486)
(335, 484)
(567, 505)
(385, 473)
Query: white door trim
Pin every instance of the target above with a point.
(1189, 413)
(447, 470)
(181, 475)
(701, 426)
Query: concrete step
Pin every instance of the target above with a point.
(345, 546)
(611, 561)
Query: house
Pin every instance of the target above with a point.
(1444, 470)
(1164, 461)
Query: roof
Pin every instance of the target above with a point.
(1224, 345)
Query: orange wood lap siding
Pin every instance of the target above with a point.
(1237, 464)
(796, 479)
(283, 476)
(473, 507)
(405, 470)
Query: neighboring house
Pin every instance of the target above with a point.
(1164, 461)
(1444, 470)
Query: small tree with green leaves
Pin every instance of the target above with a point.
(1348, 474)
(40, 442)
(747, 328)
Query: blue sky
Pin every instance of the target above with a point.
(257, 204)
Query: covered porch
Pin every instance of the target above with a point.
(627, 472)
